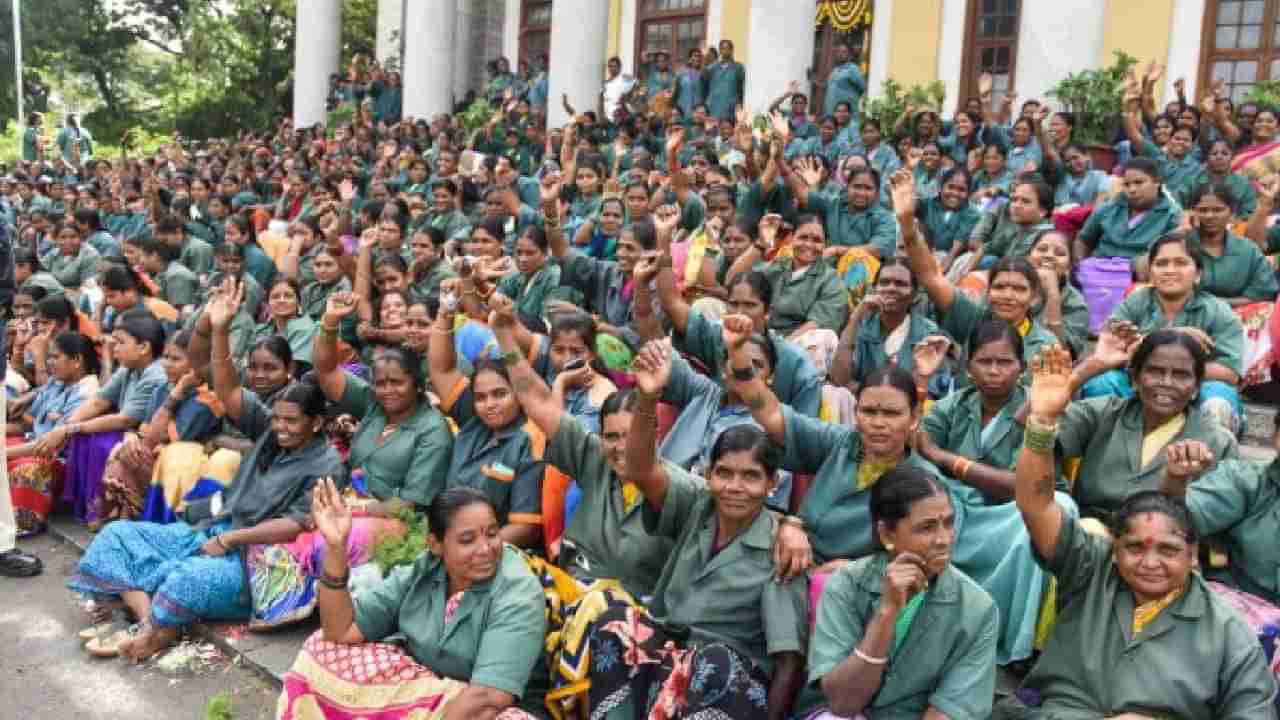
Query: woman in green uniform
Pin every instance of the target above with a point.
(720, 635)
(1176, 301)
(807, 293)
(949, 218)
(1138, 633)
(902, 632)
(1010, 230)
(1014, 283)
(1062, 309)
(1236, 272)
(536, 278)
(287, 319)
(470, 610)
(856, 220)
(1130, 223)
(497, 450)
(1120, 441)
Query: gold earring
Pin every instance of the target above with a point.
(888, 547)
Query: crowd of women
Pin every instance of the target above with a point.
(702, 420)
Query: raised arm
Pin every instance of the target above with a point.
(1268, 189)
(535, 397)
(643, 319)
(549, 192)
(324, 353)
(919, 256)
(441, 355)
(222, 310)
(1187, 460)
(652, 370)
(364, 275)
(747, 383)
(1036, 472)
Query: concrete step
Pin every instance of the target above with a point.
(268, 654)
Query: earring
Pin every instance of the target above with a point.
(888, 547)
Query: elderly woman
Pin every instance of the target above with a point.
(742, 634)
(864, 657)
(470, 611)
(1138, 633)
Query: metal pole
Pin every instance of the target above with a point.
(17, 63)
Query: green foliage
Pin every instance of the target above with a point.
(344, 113)
(392, 552)
(1096, 98)
(477, 115)
(894, 99)
(219, 708)
(1264, 92)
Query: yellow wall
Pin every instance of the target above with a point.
(1140, 28)
(615, 28)
(735, 26)
(915, 38)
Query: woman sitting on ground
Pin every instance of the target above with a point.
(183, 413)
(72, 369)
(947, 666)
(97, 426)
(285, 319)
(745, 632)
(1138, 633)
(172, 575)
(470, 610)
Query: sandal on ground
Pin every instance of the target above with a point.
(96, 631)
(110, 647)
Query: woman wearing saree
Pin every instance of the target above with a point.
(177, 414)
(720, 638)
(1138, 633)
(36, 480)
(470, 610)
(172, 575)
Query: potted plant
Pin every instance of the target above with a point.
(1096, 99)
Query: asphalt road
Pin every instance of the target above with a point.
(44, 673)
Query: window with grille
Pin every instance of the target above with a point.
(1241, 44)
(676, 26)
(535, 30)
(991, 46)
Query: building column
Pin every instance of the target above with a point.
(781, 37)
(511, 31)
(462, 61)
(429, 27)
(390, 28)
(579, 39)
(317, 52)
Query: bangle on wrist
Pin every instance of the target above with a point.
(869, 659)
(1039, 437)
(334, 583)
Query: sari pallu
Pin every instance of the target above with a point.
(640, 669)
(1257, 161)
(1259, 341)
(87, 457)
(34, 482)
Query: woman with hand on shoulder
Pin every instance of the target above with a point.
(746, 633)
(902, 632)
(470, 610)
(1138, 633)
(1062, 309)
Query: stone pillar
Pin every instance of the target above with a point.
(389, 30)
(317, 52)
(429, 27)
(463, 70)
(579, 40)
(781, 37)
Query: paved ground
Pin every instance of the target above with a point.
(45, 674)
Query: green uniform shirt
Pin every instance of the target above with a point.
(1196, 660)
(725, 83)
(945, 228)
(413, 462)
(869, 352)
(1001, 237)
(130, 391)
(1242, 271)
(795, 380)
(454, 224)
(427, 284)
(530, 293)
(874, 226)
(179, 286)
(964, 316)
(1075, 318)
(300, 332)
(1203, 311)
(1180, 176)
(835, 511)
(947, 660)
(1238, 503)
(1109, 232)
(315, 297)
(43, 280)
(494, 638)
(29, 151)
(1106, 433)
(817, 294)
(197, 255)
(605, 539)
(954, 423)
(729, 596)
(72, 272)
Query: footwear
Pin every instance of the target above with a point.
(95, 631)
(16, 563)
(109, 647)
